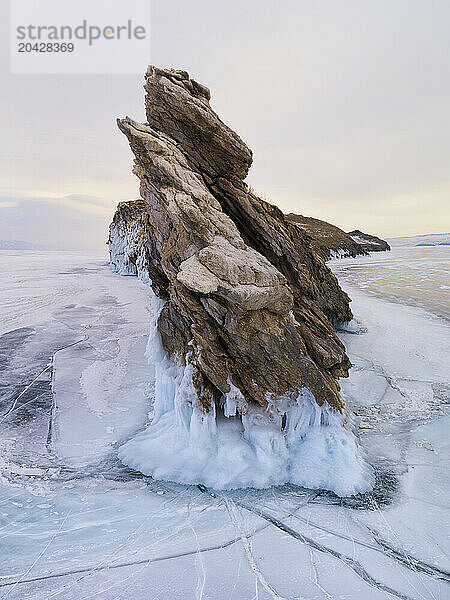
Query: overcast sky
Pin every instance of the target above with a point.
(345, 105)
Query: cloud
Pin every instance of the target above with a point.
(91, 205)
(70, 222)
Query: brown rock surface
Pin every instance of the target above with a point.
(248, 301)
(327, 240)
(331, 242)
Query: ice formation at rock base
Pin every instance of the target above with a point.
(294, 441)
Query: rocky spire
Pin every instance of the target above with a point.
(248, 303)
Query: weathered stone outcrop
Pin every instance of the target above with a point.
(369, 243)
(128, 239)
(331, 242)
(248, 303)
(327, 240)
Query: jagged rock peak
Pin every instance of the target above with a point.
(248, 303)
(207, 142)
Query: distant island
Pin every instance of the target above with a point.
(436, 244)
(18, 245)
(426, 240)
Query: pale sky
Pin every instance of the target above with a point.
(345, 104)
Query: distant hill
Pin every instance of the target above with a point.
(328, 240)
(18, 245)
(428, 239)
(371, 243)
(331, 242)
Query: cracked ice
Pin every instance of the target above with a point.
(76, 523)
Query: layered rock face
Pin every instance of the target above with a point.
(247, 306)
(232, 269)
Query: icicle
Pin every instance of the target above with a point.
(292, 440)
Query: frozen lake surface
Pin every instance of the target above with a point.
(412, 274)
(76, 524)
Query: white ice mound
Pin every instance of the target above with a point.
(303, 443)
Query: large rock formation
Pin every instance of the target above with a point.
(248, 306)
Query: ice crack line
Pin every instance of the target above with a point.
(406, 559)
(231, 508)
(128, 563)
(410, 561)
(14, 406)
(17, 398)
(352, 563)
